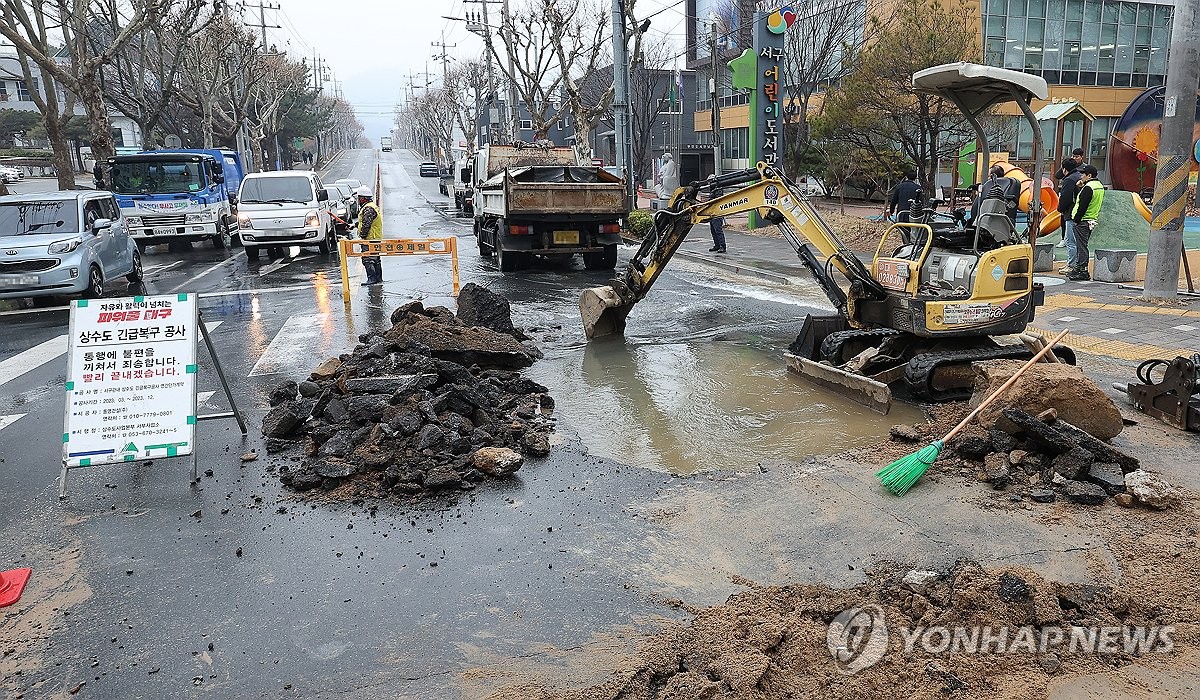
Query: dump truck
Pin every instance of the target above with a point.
(533, 200)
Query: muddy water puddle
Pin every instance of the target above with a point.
(690, 407)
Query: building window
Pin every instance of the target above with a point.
(3, 91)
(665, 106)
(527, 124)
(118, 137)
(22, 91)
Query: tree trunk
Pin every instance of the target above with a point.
(99, 124)
(583, 149)
(206, 120)
(61, 157)
(256, 151)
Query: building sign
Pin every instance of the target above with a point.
(131, 379)
(758, 70)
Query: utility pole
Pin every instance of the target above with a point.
(484, 28)
(444, 58)
(620, 106)
(262, 20)
(714, 93)
(1174, 154)
(514, 110)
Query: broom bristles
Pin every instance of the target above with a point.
(899, 476)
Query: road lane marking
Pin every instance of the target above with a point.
(208, 270)
(36, 356)
(293, 343)
(333, 283)
(6, 421)
(278, 265)
(156, 269)
(19, 312)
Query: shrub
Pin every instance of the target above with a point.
(639, 223)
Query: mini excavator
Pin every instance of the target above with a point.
(932, 300)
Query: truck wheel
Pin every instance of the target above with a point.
(507, 262)
(604, 260)
(251, 252)
(222, 240)
(141, 245)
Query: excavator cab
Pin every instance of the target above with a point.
(926, 306)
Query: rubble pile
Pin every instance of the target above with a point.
(433, 403)
(1045, 440)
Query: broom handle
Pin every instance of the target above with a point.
(996, 394)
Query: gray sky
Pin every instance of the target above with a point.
(372, 46)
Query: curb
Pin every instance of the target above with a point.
(735, 268)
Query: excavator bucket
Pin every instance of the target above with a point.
(603, 311)
(856, 387)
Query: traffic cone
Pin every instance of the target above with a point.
(12, 584)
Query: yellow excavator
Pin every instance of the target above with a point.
(930, 302)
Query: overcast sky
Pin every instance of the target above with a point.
(373, 47)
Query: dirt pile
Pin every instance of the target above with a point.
(962, 632)
(1044, 386)
(430, 404)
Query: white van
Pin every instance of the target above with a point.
(283, 209)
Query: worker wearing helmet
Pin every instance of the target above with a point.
(370, 227)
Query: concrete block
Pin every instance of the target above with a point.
(1114, 265)
(1043, 257)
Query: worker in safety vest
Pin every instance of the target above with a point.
(1085, 215)
(370, 227)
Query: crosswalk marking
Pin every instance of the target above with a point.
(156, 269)
(38, 355)
(291, 345)
(6, 421)
(31, 359)
(203, 397)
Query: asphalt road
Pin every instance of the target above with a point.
(139, 592)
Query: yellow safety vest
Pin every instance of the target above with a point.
(375, 232)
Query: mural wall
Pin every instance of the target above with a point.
(1133, 145)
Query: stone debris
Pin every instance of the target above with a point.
(1045, 458)
(431, 404)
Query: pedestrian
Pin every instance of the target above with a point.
(905, 192)
(1067, 192)
(1085, 215)
(717, 226)
(98, 174)
(370, 227)
(1070, 165)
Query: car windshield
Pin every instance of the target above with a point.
(34, 218)
(276, 190)
(157, 177)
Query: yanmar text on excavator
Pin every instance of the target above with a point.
(936, 295)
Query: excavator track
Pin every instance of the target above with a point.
(947, 375)
(835, 345)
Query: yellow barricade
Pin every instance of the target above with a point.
(354, 248)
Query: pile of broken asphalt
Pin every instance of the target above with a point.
(434, 403)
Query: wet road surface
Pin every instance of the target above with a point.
(139, 589)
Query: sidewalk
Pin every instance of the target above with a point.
(1104, 319)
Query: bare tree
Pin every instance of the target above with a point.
(92, 33)
(468, 83)
(55, 113)
(528, 42)
(821, 47)
(214, 73)
(433, 114)
(144, 76)
(578, 28)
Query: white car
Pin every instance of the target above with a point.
(11, 174)
(285, 208)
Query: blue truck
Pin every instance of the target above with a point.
(178, 195)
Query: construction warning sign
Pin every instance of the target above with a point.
(131, 379)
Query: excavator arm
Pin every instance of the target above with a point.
(604, 309)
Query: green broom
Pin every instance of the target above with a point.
(899, 476)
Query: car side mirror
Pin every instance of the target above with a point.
(218, 178)
(233, 200)
(100, 224)
(323, 196)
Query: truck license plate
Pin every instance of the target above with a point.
(166, 231)
(19, 281)
(566, 238)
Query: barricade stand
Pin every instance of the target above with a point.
(358, 248)
(131, 380)
(12, 584)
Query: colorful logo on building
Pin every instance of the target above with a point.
(780, 20)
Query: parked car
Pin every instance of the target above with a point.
(64, 243)
(344, 204)
(285, 208)
(429, 169)
(349, 182)
(10, 174)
